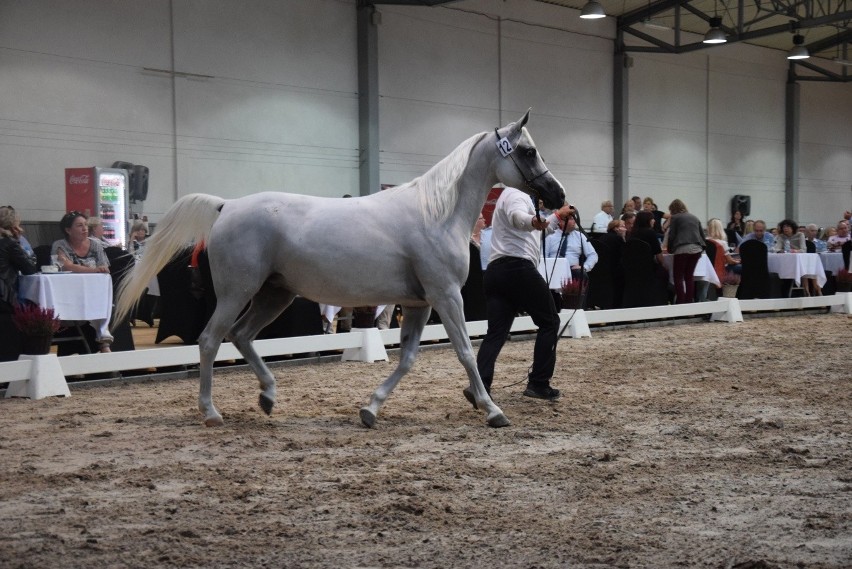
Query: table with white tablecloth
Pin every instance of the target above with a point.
(554, 271)
(72, 296)
(704, 269)
(797, 265)
(832, 261)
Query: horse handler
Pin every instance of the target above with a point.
(512, 283)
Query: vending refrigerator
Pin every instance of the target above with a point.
(100, 192)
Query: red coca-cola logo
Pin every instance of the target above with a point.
(75, 179)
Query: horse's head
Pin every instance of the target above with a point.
(522, 167)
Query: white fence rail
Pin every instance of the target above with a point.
(369, 344)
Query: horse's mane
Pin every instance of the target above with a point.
(437, 189)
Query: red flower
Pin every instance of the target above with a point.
(33, 320)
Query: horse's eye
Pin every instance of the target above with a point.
(531, 152)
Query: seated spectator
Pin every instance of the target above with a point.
(602, 218)
(637, 203)
(811, 233)
(96, 230)
(574, 247)
(629, 207)
(13, 260)
(136, 243)
(828, 233)
(716, 234)
(18, 233)
(789, 239)
(759, 232)
(80, 253)
(643, 229)
(835, 242)
(629, 219)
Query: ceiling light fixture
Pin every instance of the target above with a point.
(592, 11)
(799, 51)
(715, 33)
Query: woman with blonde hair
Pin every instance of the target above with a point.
(716, 233)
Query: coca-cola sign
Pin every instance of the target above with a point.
(79, 179)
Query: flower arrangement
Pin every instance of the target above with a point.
(33, 320)
(844, 276)
(574, 287)
(731, 278)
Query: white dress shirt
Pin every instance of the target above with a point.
(513, 234)
(601, 222)
(574, 241)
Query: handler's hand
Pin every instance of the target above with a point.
(539, 224)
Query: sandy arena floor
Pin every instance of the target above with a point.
(699, 445)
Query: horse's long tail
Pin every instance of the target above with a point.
(188, 221)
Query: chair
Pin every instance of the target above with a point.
(301, 318)
(120, 261)
(182, 313)
(717, 256)
(754, 279)
(473, 293)
(601, 285)
(42, 253)
(810, 247)
(642, 284)
(847, 247)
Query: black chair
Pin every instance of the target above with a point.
(732, 237)
(601, 285)
(10, 347)
(712, 250)
(847, 247)
(754, 280)
(120, 261)
(182, 310)
(643, 285)
(810, 247)
(301, 318)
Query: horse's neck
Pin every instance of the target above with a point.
(475, 182)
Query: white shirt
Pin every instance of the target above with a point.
(513, 234)
(573, 242)
(601, 222)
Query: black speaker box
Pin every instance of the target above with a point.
(139, 184)
(741, 204)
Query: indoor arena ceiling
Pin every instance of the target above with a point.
(825, 26)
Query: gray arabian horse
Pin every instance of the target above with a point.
(407, 245)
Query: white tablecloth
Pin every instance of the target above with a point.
(329, 311)
(704, 270)
(73, 296)
(832, 261)
(797, 265)
(557, 269)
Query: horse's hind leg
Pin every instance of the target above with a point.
(208, 345)
(265, 307)
(413, 321)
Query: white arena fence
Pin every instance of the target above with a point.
(369, 344)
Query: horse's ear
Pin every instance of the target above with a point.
(524, 119)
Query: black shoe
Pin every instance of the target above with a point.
(468, 394)
(541, 391)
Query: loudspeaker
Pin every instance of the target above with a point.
(741, 204)
(131, 175)
(139, 184)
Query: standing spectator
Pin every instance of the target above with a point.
(512, 283)
(737, 225)
(602, 218)
(643, 229)
(686, 242)
(637, 203)
(789, 240)
(659, 217)
(835, 242)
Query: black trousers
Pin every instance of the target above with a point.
(514, 285)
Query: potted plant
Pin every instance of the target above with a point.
(37, 326)
(730, 284)
(574, 293)
(844, 280)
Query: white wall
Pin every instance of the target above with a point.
(279, 110)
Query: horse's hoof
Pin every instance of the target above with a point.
(214, 422)
(498, 420)
(468, 394)
(367, 417)
(265, 403)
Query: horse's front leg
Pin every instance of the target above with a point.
(451, 309)
(413, 321)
